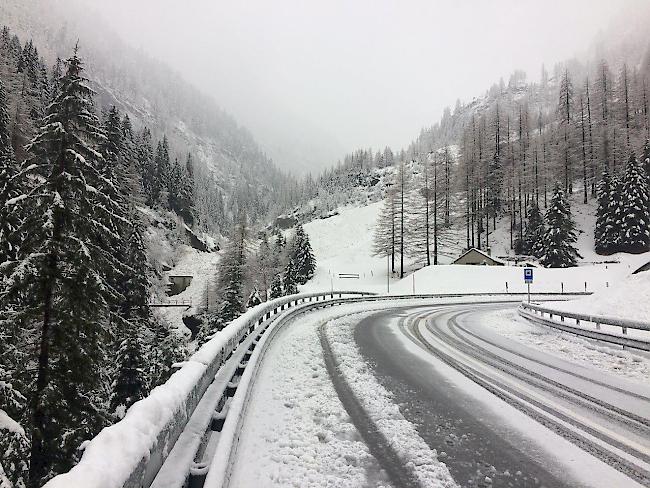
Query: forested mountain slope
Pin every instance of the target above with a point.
(233, 175)
(500, 156)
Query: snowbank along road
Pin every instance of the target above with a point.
(401, 394)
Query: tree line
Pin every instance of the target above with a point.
(250, 273)
(80, 343)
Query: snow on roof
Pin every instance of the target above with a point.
(496, 260)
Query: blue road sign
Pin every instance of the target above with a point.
(528, 275)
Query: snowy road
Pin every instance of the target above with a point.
(435, 396)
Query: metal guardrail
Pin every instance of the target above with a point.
(151, 427)
(537, 313)
(142, 440)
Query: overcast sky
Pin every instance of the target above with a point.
(330, 76)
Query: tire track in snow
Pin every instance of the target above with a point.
(400, 474)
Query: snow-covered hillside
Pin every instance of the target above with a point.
(342, 244)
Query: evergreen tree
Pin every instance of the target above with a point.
(68, 233)
(533, 241)
(112, 145)
(560, 233)
(165, 348)
(163, 171)
(231, 276)
(130, 384)
(147, 167)
(302, 256)
(616, 210)
(180, 189)
(131, 315)
(646, 160)
(635, 209)
(290, 278)
(254, 299)
(605, 232)
(8, 185)
(280, 243)
(14, 444)
(276, 287)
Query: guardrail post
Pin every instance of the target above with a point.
(577, 321)
(198, 473)
(561, 318)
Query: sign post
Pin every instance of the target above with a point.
(528, 279)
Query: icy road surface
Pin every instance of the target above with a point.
(436, 396)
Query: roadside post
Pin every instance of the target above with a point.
(387, 274)
(528, 279)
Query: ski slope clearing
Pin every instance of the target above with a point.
(342, 244)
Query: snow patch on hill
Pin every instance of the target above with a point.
(629, 299)
(342, 244)
(202, 266)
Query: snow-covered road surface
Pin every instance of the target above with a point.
(412, 395)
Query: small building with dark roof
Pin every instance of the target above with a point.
(477, 257)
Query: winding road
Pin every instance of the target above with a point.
(497, 412)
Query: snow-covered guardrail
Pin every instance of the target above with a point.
(130, 453)
(548, 316)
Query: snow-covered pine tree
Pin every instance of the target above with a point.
(303, 256)
(605, 232)
(14, 444)
(180, 191)
(69, 231)
(130, 383)
(616, 210)
(560, 233)
(130, 176)
(162, 173)
(645, 163)
(279, 253)
(635, 209)
(231, 276)
(8, 185)
(165, 347)
(280, 242)
(186, 194)
(112, 146)
(147, 166)
(254, 299)
(533, 241)
(131, 319)
(276, 287)
(290, 278)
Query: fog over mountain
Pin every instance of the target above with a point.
(315, 81)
